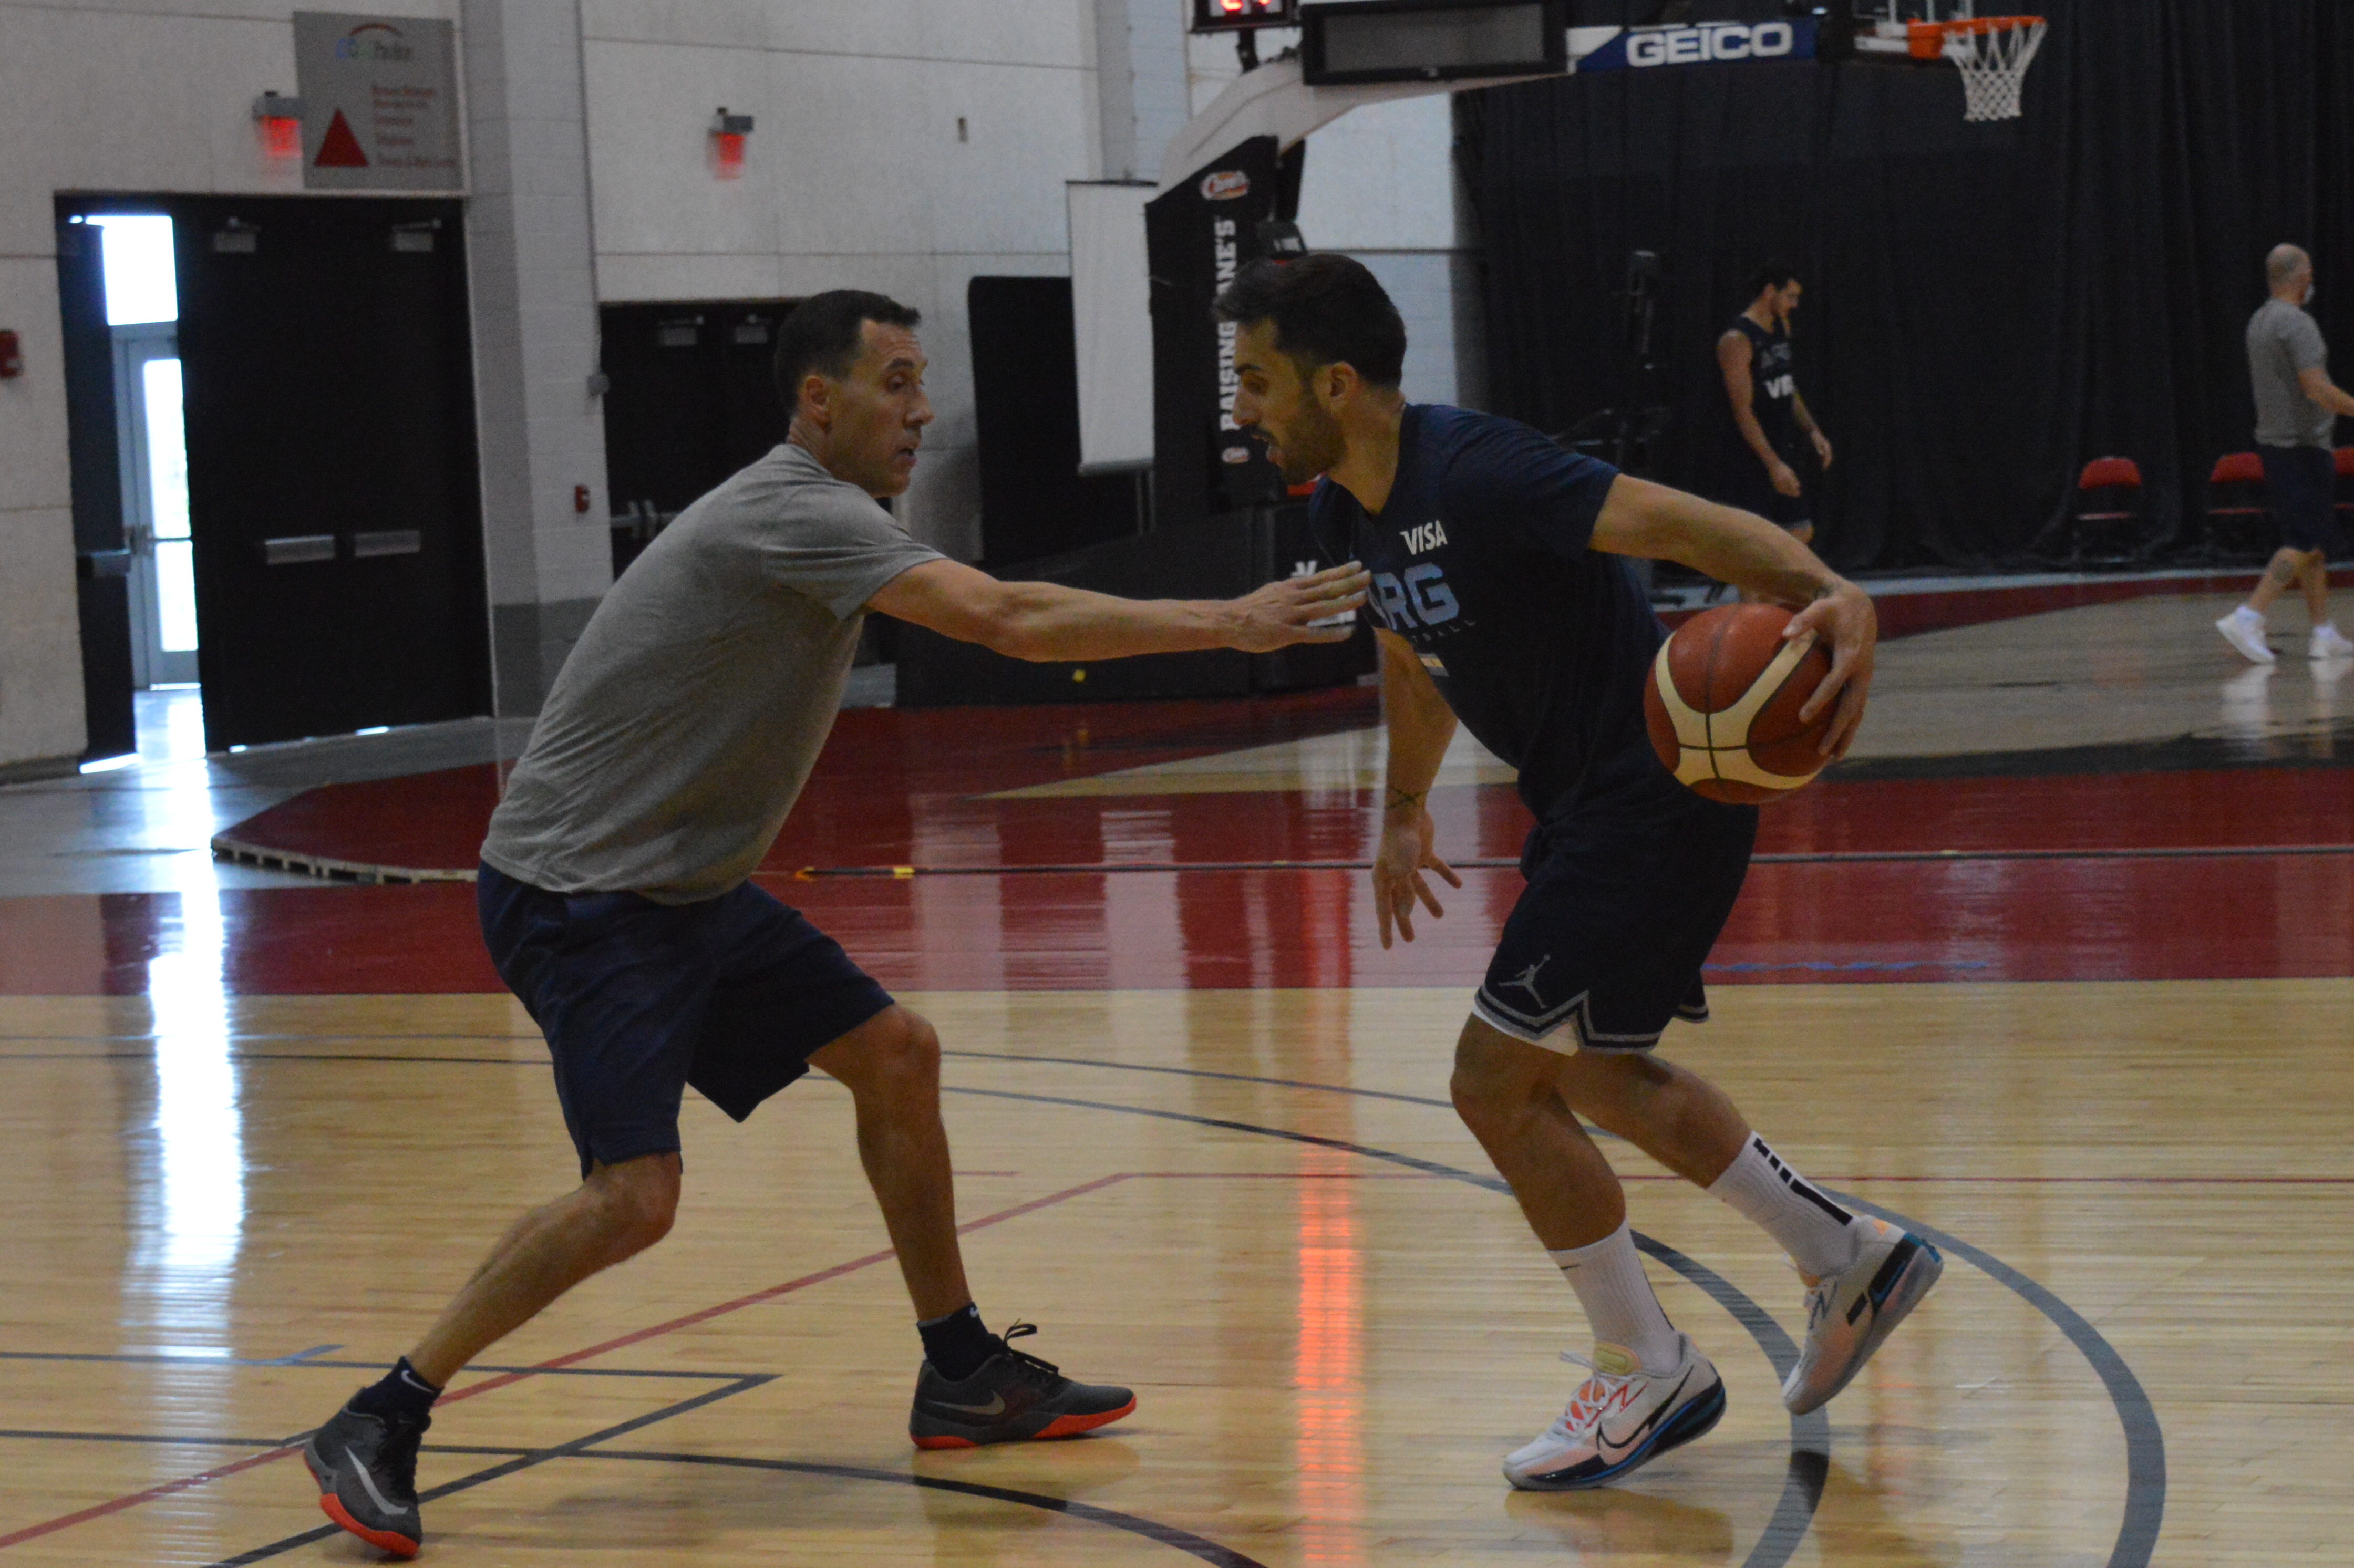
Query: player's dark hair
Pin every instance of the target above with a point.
(1772, 275)
(822, 333)
(1327, 310)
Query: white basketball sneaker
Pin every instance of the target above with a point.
(1850, 1312)
(2328, 642)
(1619, 1419)
(2245, 632)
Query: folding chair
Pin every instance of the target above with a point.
(2237, 517)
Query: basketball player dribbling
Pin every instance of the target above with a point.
(616, 898)
(1502, 598)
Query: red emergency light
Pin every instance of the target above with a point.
(280, 121)
(728, 133)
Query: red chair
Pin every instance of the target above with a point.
(2346, 482)
(2238, 520)
(2108, 516)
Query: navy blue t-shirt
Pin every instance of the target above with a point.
(1480, 560)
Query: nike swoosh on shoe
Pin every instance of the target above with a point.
(996, 1406)
(1614, 1450)
(369, 1482)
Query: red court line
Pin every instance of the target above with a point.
(99, 1510)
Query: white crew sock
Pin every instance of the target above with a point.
(1608, 1279)
(1816, 1233)
(2254, 617)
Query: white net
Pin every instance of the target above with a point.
(1993, 54)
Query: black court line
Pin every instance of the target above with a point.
(1810, 1435)
(1205, 1073)
(524, 1460)
(2145, 1506)
(1184, 1540)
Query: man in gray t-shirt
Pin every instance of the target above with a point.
(2296, 414)
(615, 897)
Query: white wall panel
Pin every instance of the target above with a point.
(1382, 178)
(855, 176)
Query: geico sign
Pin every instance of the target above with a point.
(1720, 41)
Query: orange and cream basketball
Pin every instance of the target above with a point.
(1723, 704)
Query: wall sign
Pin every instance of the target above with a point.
(379, 102)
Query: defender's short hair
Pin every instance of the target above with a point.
(2282, 263)
(1772, 275)
(1327, 310)
(822, 333)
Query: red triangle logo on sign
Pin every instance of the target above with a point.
(340, 149)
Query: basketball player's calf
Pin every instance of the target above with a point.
(1651, 1390)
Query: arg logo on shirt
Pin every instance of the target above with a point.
(1716, 41)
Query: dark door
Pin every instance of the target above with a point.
(332, 486)
(1026, 393)
(692, 398)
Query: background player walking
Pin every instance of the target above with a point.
(1503, 601)
(616, 900)
(2296, 414)
(1768, 415)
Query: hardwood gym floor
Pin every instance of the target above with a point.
(2088, 1027)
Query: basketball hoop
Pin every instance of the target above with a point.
(1992, 53)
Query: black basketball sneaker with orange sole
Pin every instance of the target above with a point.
(1013, 1397)
(366, 1469)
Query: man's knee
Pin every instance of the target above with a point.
(1498, 1078)
(894, 1057)
(637, 1201)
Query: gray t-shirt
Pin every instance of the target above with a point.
(2282, 340)
(687, 720)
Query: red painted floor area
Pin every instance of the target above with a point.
(901, 788)
(2029, 878)
(2239, 916)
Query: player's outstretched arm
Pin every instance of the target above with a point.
(1738, 547)
(1420, 725)
(1043, 621)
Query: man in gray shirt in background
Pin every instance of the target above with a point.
(616, 900)
(2296, 414)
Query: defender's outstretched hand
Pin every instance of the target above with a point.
(1845, 618)
(1278, 615)
(1405, 853)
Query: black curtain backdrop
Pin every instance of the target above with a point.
(1987, 307)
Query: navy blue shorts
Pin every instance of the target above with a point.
(2300, 484)
(1622, 906)
(639, 999)
(1751, 490)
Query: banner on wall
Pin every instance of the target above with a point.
(1199, 233)
(379, 102)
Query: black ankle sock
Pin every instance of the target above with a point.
(401, 1393)
(959, 1344)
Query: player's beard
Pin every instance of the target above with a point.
(1311, 447)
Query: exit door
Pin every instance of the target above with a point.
(336, 530)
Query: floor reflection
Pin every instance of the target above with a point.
(189, 1177)
(1328, 1368)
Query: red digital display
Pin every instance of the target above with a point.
(1225, 15)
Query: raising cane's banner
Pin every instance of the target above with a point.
(1198, 234)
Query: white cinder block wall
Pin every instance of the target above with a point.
(904, 147)
(858, 175)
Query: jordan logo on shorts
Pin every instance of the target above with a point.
(1527, 979)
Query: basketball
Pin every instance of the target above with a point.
(1723, 704)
